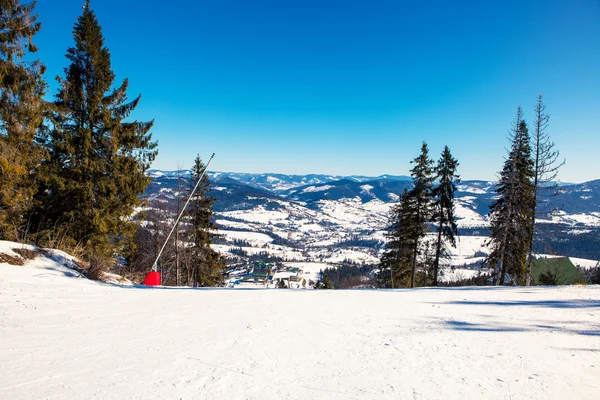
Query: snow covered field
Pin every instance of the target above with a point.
(65, 337)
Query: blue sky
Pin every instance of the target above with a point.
(348, 87)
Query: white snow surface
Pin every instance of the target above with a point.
(471, 189)
(311, 189)
(584, 263)
(65, 337)
(466, 216)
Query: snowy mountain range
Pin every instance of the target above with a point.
(330, 219)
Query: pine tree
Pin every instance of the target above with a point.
(206, 267)
(398, 255)
(21, 114)
(511, 212)
(97, 161)
(421, 198)
(444, 207)
(545, 171)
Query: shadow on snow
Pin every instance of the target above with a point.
(579, 303)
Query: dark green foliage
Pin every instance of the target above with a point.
(555, 271)
(444, 208)
(347, 276)
(420, 209)
(408, 227)
(360, 242)
(594, 276)
(324, 284)
(396, 260)
(97, 161)
(205, 266)
(551, 277)
(481, 279)
(21, 115)
(263, 256)
(511, 213)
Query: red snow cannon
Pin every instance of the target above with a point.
(152, 279)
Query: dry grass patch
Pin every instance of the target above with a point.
(7, 258)
(26, 253)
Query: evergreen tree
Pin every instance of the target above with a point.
(545, 171)
(398, 255)
(325, 283)
(21, 114)
(97, 161)
(511, 212)
(206, 267)
(421, 199)
(444, 207)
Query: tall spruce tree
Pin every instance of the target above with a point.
(421, 197)
(206, 266)
(511, 212)
(545, 171)
(396, 260)
(444, 207)
(98, 157)
(21, 114)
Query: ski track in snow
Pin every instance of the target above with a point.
(70, 338)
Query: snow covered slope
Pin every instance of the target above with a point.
(63, 337)
(48, 261)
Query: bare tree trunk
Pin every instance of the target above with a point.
(438, 249)
(538, 131)
(414, 264)
(177, 257)
(177, 273)
(501, 268)
(502, 265)
(528, 277)
(546, 169)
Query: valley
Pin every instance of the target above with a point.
(333, 220)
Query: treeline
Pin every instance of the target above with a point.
(560, 239)
(412, 257)
(360, 242)
(72, 170)
(348, 276)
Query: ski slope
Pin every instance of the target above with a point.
(65, 337)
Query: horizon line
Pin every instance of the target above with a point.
(349, 176)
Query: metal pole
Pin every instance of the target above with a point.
(181, 213)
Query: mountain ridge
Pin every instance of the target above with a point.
(316, 217)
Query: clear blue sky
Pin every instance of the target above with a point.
(348, 87)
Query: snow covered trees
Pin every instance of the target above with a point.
(407, 251)
(96, 167)
(512, 211)
(21, 114)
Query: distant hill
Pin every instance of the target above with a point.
(329, 218)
